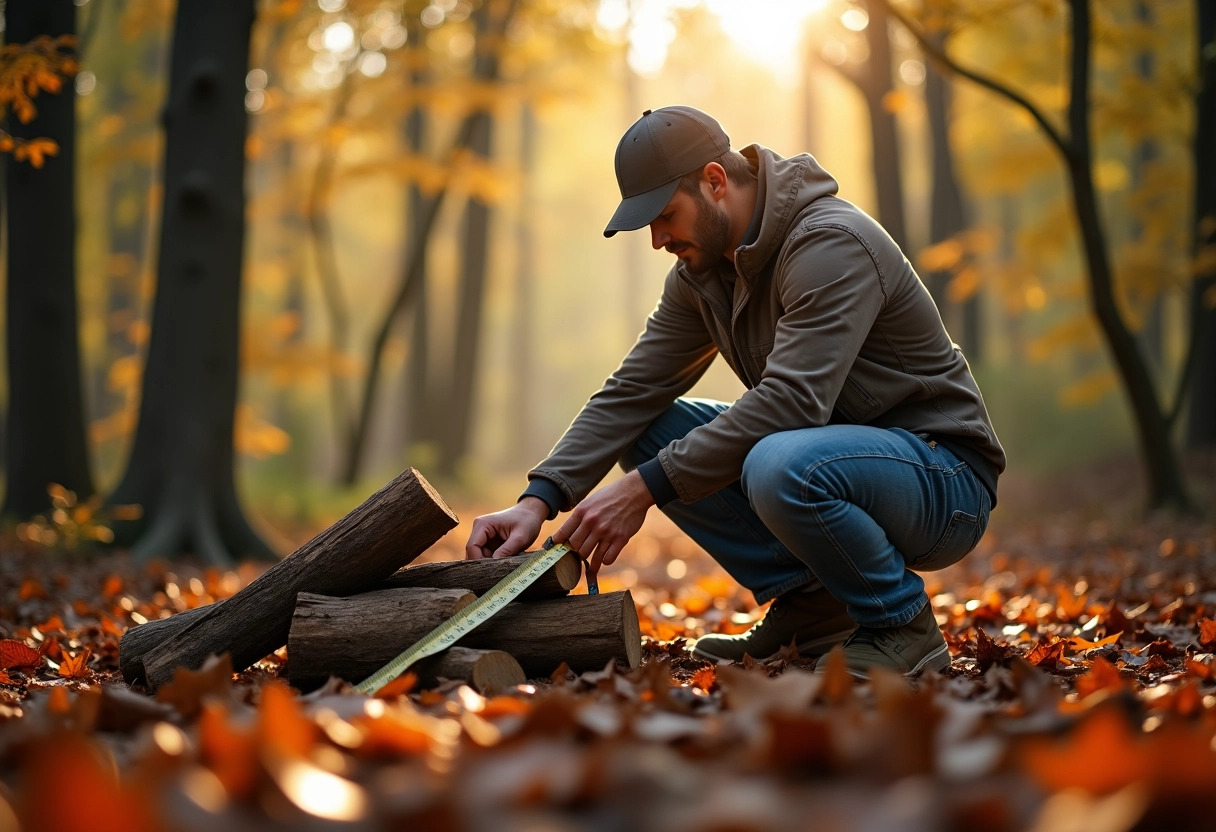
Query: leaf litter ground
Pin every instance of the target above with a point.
(1081, 696)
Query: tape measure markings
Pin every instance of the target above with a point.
(476, 613)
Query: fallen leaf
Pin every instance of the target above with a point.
(76, 667)
(705, 678)
(988, 652)
(403, 684)
(1081, 644)
(1207, 633)
(189, 688)
(1102, 676)
(17, 655)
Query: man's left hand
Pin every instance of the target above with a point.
(599, 527)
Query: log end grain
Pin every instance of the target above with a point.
(631, 631)
(489, 671)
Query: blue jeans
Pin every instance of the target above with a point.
(852, 508)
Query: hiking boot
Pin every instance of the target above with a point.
(908, 649)
(813, 621)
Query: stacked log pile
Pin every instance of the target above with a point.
(347, 602)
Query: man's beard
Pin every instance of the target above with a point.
(710, 236)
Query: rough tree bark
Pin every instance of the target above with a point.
(45, 430)
(181, 465)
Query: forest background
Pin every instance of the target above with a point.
(421, 274)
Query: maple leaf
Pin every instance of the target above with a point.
(1048, 653)
(76, 667)
(988, 652)
(1079, 643)
(17, 655)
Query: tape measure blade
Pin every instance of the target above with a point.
(465, 621)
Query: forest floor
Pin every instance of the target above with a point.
(1081, 696)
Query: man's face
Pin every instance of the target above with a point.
(693, 229)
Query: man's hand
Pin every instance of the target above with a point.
(508, 532)
(601, 525)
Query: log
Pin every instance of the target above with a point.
(346, 637)
(488, 671)
(391, 528)
(478, 576)
(585, 631)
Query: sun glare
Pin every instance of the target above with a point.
(767, 31)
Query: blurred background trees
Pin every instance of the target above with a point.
(420, 277)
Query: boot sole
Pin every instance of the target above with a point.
(938, 660)
(806, 649)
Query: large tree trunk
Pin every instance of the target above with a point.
(947, 213)
(181, 466)
(584, 631)
(390, 529)
(876, 86)
(1201, 424)
(490, 20)
(1161, 461)
(45, 438)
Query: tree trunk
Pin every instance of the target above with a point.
(1201, 422)
(45, 437)
(585, 631)
(479, 576)
(523, 346)
(876, 86)
(490, 20)
(346, 637)
(1161, 462)
(390, 529)
(947, 214)
(181, 466)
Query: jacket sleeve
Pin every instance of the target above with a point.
(831, 291)
(672, 353)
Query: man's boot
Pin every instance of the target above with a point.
(812, 620)
(909, 649)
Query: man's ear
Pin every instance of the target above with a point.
(715, 175)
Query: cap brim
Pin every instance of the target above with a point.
(641, 209)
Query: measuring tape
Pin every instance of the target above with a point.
(447, 633)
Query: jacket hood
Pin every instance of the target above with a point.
(786, 187)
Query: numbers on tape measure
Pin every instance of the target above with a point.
(476, 613)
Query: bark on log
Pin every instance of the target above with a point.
(585, 631)
(354, 637)
(479, 576)
(390, 529)
(488, 671)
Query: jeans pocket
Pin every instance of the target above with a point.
(962, 533)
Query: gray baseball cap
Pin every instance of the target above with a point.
(659, 148)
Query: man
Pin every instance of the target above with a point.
(861, 450)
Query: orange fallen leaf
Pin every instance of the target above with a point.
(1068, 606)
(17, 655)
(31, 588)
(705, 678)
(76, 667)
(1048, 653)
(1100, 755)
(1207, 633)
(1200, 670)
(1079, 643)
(282, 725)
(189, 688)
(229, 751)
(112, 586)
(401, 685)
(1102, 675)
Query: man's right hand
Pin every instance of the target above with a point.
(508, 532)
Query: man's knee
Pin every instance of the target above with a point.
(767, 478)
